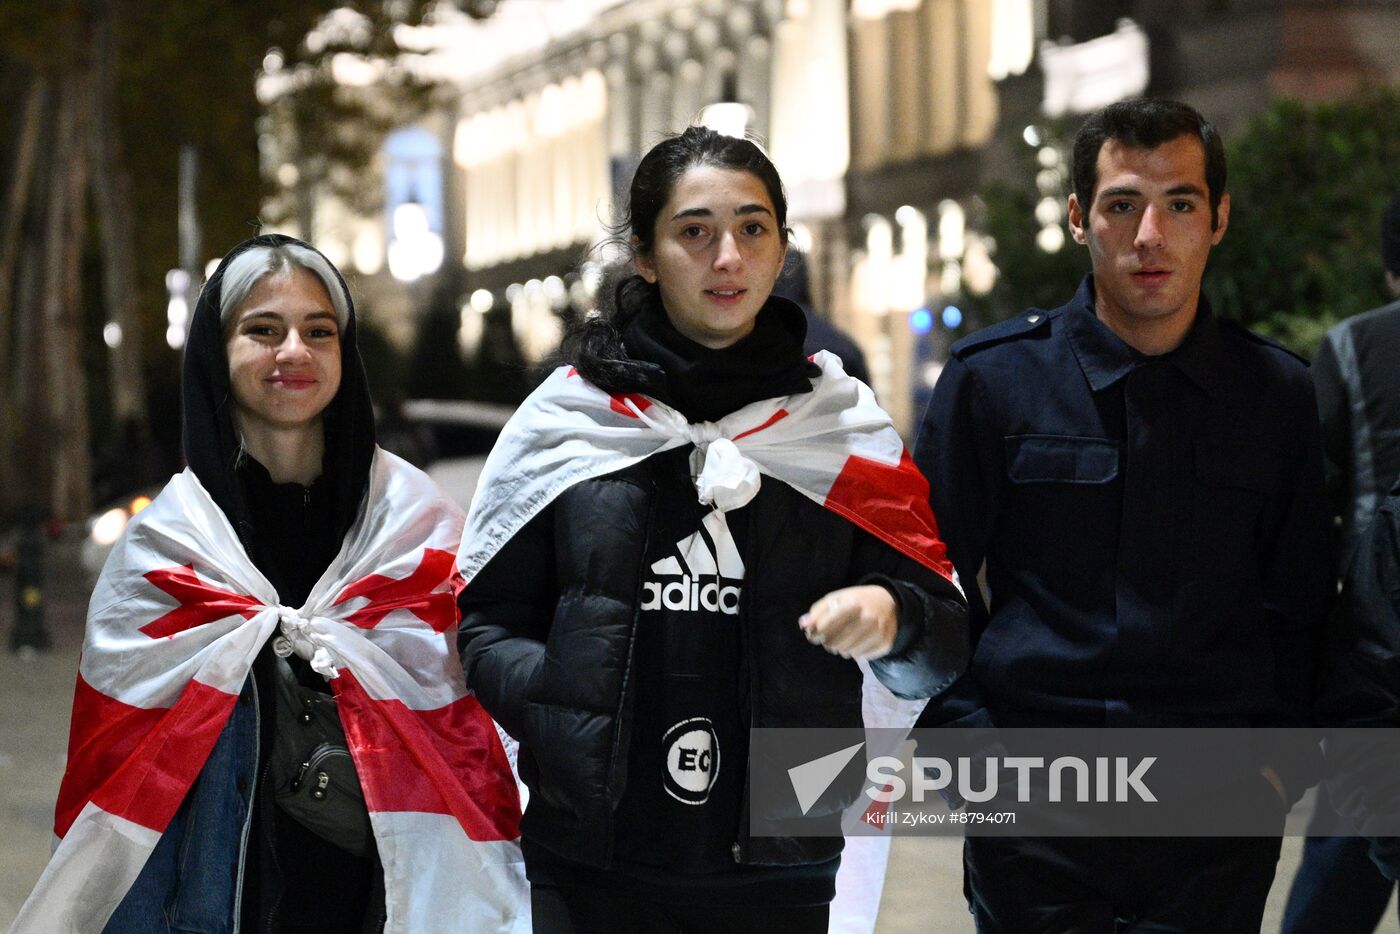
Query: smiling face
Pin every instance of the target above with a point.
(283, 349)
(1149, 233)
(717, 251)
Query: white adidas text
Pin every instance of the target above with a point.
(689, 594)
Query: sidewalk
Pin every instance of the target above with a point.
(36, 696)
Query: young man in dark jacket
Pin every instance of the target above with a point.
(1144, 484)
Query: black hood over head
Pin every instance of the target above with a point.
(211, 438)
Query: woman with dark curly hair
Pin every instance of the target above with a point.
(693, 530)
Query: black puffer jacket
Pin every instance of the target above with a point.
(549, 625)
(551, 663)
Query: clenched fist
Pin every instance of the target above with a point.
(853, 622)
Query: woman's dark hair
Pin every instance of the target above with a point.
(668, 160)
(594, 345)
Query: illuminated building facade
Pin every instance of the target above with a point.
(885, 118)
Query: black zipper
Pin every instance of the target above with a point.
(269, 827)
(747, 672)
(312, 765)
(649, 485)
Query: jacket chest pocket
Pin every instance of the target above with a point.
(1233, 482)
(1034, 459)
(1061, 489)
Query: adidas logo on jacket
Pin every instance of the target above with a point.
(705, 574)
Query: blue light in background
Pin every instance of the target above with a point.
(952, 317)
(413, 172)
(921, 321)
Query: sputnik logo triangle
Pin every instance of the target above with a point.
(810, 780)
(705, 572)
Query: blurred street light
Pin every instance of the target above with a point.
(729, 118)
(1050, 239)
(177, 309)
(472, 322)
(414, 250)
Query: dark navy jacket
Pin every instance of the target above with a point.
(1154, 528)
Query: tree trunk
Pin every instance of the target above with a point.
(17, 202)
(111, 189)
(28, 377)
(70, 493)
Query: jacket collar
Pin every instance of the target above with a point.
(1105, 358)
(707, 384)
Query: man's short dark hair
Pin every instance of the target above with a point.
(1390, 236)
(1146, 124)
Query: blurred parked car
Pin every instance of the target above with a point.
(458, 428)
(106, 525)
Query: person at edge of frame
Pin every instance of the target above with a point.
(1360, 692)
(1357, 373)
(1144, 483)
(629, 633)
(794, 283)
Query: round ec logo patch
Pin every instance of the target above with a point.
(692, 760)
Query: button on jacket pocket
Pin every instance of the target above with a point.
(1060, 459)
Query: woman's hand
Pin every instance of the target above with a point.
(853, 622)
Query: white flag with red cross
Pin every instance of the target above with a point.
(176, 620)
(835, 445)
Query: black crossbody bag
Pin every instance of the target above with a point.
(313, 775)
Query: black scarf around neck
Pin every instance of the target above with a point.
(705, 384)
